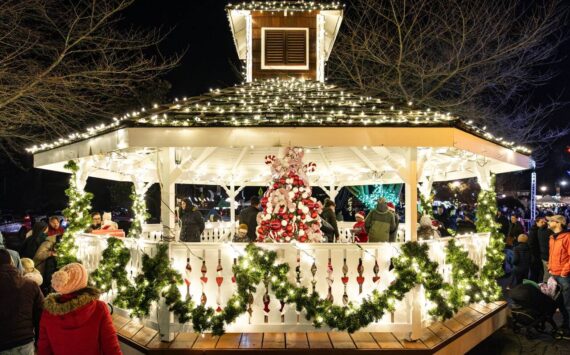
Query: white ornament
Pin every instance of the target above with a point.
(283, 223)
(305, 195)
(296, 189)
(291, 194)
(301, 232)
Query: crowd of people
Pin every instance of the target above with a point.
(41, 307)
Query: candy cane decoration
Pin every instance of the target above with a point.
(219, 280)
(204, 280)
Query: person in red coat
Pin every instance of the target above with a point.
(74, 321)
(360, 235)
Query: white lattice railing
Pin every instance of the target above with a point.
(91, 247)
(222, 231)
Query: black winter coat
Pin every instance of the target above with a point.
(20, 308)
(192, 226)
(249, 216)
(329, 216)
(533, 244)
(521, 258)
(543, 242)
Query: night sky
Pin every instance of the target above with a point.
(201, 29)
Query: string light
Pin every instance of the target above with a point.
(282, 103)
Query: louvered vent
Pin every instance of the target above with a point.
(284, 48)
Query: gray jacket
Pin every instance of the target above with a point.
(379, 224)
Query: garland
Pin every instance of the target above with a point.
(464, 277)
(112, 267)
(259, 266)
(140, 213)
(77, 215)
(139, 297)
(495, 257)
(426, 204)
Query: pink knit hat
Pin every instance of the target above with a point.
(70, 278)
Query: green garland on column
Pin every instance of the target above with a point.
(112, 267)
(140, 215)
(77, 216)
(495, 257)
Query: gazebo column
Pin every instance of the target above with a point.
(409, 174)
(232, 194)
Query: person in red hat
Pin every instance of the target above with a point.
(359, 229)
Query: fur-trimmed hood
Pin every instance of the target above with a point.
(74, 312)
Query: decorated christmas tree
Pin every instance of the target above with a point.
(289, 211)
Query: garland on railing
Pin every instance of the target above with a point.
(494, 254)
(464, 277)
(412, 267)
(157, 279)
(77, 216)
(112, 267)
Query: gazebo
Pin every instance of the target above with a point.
(222, 138)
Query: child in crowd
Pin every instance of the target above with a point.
(359, 229)
(30, 271)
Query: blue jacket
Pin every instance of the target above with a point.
(14, 254)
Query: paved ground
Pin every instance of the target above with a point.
(506, 342)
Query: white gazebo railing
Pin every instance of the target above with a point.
(210, 256)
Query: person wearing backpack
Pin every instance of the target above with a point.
(380, 223)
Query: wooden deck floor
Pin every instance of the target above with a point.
(469, 327)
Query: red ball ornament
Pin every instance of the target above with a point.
(275, 225)
(289, 228)
(314, 214)
(291, 216)
(299, 211)
(303, 217)
(303, 239)
(275, 185)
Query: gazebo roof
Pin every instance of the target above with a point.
(282, 103)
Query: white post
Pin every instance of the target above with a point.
(411, 181)
(232, 195)
(165, 168)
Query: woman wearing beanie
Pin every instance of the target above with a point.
(74, 321)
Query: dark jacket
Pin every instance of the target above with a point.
(192, 226)
(504, 222)
(543, 242)
(394, 233)
(20, 308)
(14, 254)
(77, 323)
(329, 216)
(533, 244)
(515, 229)
(521, 258)
(379, 224)
(249, 216)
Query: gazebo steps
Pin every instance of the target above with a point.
(458, 335)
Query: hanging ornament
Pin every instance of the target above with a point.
(314, 272)
(266, 301)
(360, 278)
(233, 271)
(344, 280)
(249, 306)
(219, 280)
(203, 280)
(330, 279)
(298, 280)
(376, 270)
(187, 272)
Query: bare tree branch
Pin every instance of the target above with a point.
(64, 64)
(478, 59)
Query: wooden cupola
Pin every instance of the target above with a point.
(286, 38)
